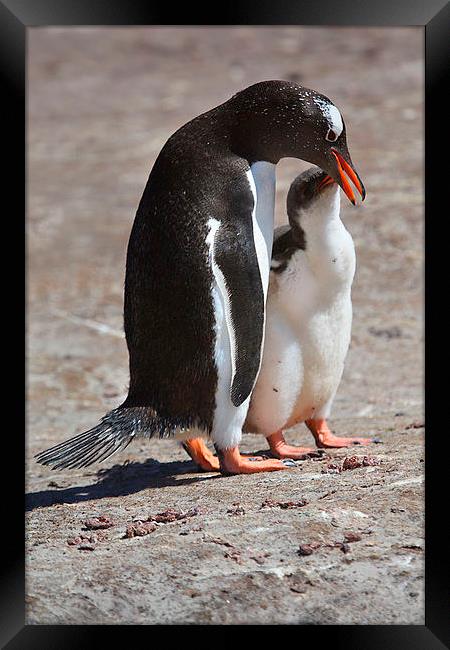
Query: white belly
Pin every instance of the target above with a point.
(309, 314)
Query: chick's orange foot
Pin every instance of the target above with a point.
(326, 439)
(280, 449)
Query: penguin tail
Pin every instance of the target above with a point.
(114, 432)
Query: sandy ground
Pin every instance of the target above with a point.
(101, 104)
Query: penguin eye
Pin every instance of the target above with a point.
(331, 136)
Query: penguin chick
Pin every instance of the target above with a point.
(309, 316)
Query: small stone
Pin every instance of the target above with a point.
(233, 554)
(307, 549)
(332, 468)
(170, 515)
(371, 461)
(139, 529)
(354, 462)
(97, 523)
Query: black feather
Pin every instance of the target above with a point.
(114, 432)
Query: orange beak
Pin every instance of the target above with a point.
(328, 180)
(345, 169)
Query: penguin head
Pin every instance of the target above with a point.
(312, 191)
(279, 119)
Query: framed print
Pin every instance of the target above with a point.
(153, 145)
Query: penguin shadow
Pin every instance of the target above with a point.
(121, 480)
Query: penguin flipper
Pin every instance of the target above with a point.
(237, 273)
(287, 241)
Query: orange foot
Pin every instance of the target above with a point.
(231, 462)
(280, 448)
(200, 454)
(324, 437)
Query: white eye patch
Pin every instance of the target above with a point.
(333, 117)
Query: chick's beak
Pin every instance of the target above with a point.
(345, 170)
(327, 180)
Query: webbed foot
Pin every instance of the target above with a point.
(201, 455)
(280, 448)
(232, 462)
(326, 439)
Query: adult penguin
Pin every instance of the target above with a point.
(197, 272)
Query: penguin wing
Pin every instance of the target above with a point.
(237, 274)
(286, 242)
(282, 240)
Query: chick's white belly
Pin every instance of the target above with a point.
(324, 342)
(303, 360)
(280, 377)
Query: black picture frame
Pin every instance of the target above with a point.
(434, 16)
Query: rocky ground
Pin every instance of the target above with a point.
(330, 541)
